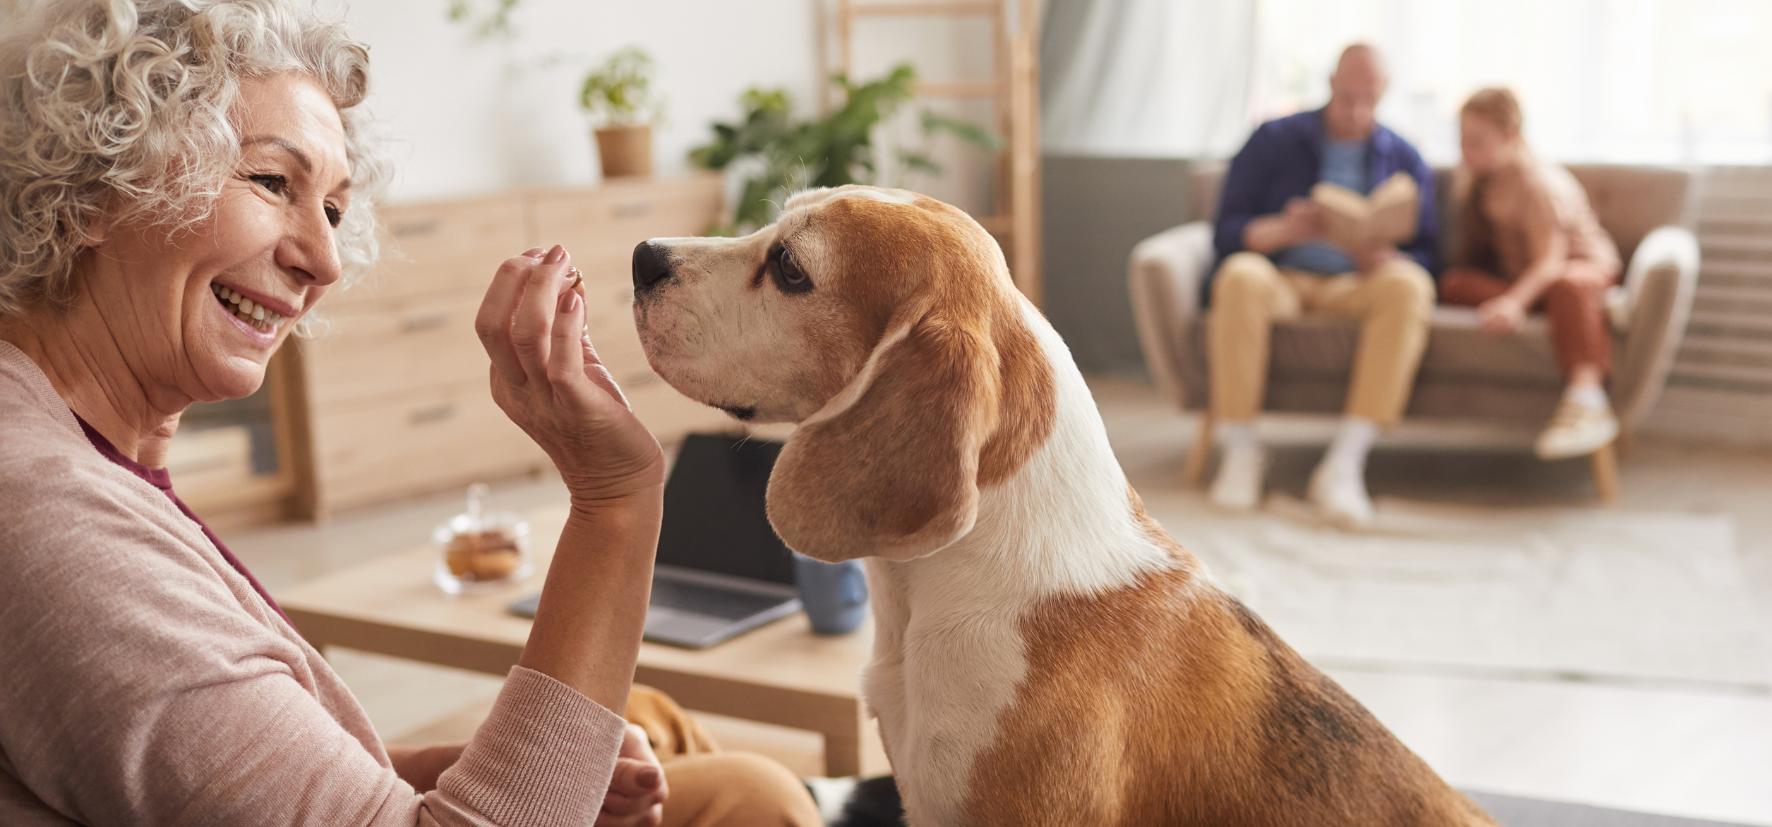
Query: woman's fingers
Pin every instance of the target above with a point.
(598, 373)
(635, 787)
(493, 323)
(531, 332)
(566, 357)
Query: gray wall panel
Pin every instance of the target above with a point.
(1096, 210)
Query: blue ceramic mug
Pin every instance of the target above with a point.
(835, 595)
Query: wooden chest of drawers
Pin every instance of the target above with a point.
(396, 393)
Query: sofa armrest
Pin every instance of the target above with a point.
(1659, 284)
(1164, 277)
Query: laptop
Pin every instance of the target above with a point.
(721, 569)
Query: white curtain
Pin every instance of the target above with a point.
(1661, 81)
(1149, 78)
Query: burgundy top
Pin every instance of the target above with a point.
(162, 479)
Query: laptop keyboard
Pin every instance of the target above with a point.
(707, 600)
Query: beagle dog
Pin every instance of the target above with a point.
(1045, 654)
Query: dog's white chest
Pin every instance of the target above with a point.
(949, 655)
(944, 667)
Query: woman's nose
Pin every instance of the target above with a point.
(312, 249)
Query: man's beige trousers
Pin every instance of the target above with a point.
(1394, 305)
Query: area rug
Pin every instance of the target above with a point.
(1579, 594)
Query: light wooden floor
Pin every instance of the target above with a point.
(1691, 753)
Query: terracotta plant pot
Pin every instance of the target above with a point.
(625, 150)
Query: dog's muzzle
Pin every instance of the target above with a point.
(652, 266)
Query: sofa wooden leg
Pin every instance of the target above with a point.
(1195, 472)
(1605, 467)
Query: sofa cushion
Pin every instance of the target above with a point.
(1464, 372)
(1633, 200)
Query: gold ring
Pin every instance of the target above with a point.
(578, 278)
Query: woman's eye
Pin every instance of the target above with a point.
(334, 216)
(274, 184)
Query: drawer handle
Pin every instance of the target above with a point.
(429, 321)
(406, 229)
(433, 413)
(631, 209)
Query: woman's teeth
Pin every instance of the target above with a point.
(262, 319)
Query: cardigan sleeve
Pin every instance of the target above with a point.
(136, 689)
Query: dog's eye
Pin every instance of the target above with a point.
(788, 274)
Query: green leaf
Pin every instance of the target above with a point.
(974, 134)
(918, 162)
(619, 90)
(792, 153)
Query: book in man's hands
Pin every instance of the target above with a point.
(1353, 221)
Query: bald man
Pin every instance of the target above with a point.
(1273, 264)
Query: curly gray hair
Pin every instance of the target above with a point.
(126, 104)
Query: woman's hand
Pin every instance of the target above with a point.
(638, 790)
(547, 378)
(1501, 315)
(420, 766)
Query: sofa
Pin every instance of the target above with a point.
(1464, 373)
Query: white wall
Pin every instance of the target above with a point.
(469, 115)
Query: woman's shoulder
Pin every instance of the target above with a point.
(1531, 180)
(59, 497)
(1514, 173)
(36, 431)
(1528, 171)
(62, 502)
(95, 556)
(45, 454)
(1560, 182)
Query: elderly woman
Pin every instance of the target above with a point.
(181, 182)
(1531, 241)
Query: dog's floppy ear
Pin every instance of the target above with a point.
(890, 467)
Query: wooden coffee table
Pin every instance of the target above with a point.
(779, 674)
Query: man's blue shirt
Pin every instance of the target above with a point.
(1284, 159)
(1344, 164)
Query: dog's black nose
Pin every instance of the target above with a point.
(652, 265)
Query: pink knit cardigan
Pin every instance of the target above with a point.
(144, 681)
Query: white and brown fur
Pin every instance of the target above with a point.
(1045, 654)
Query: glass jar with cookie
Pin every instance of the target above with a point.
(477, 549)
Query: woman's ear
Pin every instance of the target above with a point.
(895, 473)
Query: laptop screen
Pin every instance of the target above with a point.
(714, 514)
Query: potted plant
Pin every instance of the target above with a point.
(618, 96)
(780, 153)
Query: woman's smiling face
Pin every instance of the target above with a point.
(199, 313)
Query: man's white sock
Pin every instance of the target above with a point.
(1590, 396)
(1236, 436)
(1347, 454)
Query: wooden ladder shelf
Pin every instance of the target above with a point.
(1014, 94)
